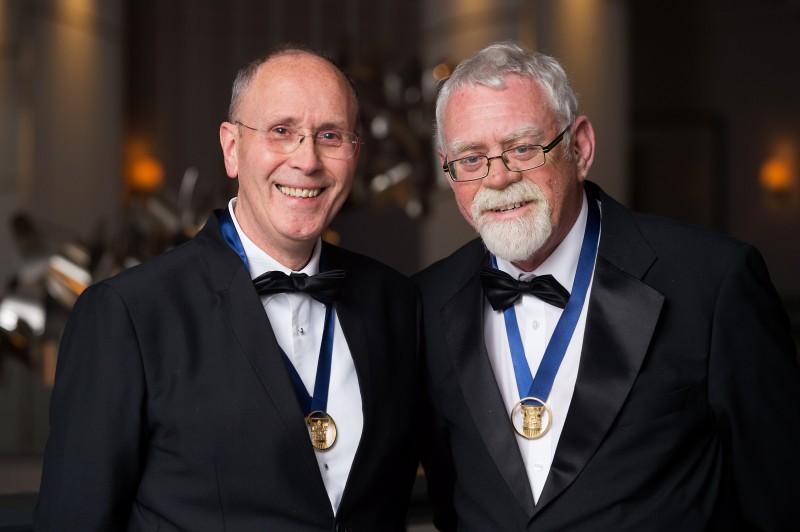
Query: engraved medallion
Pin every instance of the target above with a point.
(535, 419)
(322, 430)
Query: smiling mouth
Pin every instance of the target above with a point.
(299, 192)
(511, 207)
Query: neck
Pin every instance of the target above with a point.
(292, 254)
(536, 260)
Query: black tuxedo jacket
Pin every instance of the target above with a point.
(173, 410)
(686, 411)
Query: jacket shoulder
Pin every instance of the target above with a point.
(163, 269)
(673, 238)
(370, 277)
(454, 269)
(353, 261)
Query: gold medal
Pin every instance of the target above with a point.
(322, 430)
(536, 419)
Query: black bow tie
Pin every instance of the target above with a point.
(322, 287)
(502, 290)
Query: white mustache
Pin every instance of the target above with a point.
(517, 238)
(514, 195)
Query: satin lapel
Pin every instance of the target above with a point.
(352, 319)
(242, 308)
(463, 319)
(352, 322)
(622, 316)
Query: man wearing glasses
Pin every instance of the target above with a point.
(590, 368)
(254, 378)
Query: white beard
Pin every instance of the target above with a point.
(518, 239)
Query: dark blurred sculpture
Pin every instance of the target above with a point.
(50, 276)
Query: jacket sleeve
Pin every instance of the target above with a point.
(754, 392)
(94, 451)
(435, 457)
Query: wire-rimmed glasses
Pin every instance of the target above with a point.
(517, 159)
(331, 143)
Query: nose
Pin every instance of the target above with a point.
(305, 156)
(499, 177)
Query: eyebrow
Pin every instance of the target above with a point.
(290, 121)
(523, 132)
(458, 146)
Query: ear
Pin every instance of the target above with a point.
(442, 156)
(357, 153)
(228, 138)
(583, 146)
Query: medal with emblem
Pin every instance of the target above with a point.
(322, 430)
(531, 417)
(531, 421)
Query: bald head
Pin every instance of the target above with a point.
(291, 53)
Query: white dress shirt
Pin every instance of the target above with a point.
(537, 321)
(298, 322)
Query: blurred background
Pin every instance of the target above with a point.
(109, 149)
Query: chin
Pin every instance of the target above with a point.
(518, 239)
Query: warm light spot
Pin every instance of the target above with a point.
(776, 176)
(331, 237)
(441, 71)
(778, 172)
(145, 174)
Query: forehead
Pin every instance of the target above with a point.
(301, 85)
(485, 115)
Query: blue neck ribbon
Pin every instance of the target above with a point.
(540, 387)
(322, 381)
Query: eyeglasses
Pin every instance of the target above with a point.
(331, 143)
(517, 159)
